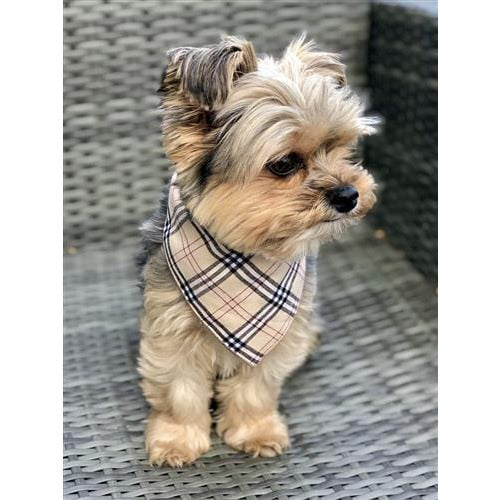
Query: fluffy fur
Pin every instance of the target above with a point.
(228, 116)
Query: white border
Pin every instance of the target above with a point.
(469, 347)
(30, 204)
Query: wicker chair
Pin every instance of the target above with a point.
(362, 412)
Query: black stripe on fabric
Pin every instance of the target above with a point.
(221, 249)
(225, 335)
(265, 282)
(262, 284)
(268, 311)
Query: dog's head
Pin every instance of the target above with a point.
(263, 148)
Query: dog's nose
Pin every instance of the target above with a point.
(344, 198)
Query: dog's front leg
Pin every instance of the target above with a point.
(248, 417)
(179, 390)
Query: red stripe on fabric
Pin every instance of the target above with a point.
(247, 288)
(214, 288)
(202, 244)
(195, 266)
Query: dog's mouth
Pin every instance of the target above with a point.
(334, 219)
(352, 215)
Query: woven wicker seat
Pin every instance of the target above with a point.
(362, 412)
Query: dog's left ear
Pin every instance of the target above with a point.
(312, 60)
(205, 76)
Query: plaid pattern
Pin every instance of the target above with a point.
(247, 301)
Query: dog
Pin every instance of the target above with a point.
(262, 154)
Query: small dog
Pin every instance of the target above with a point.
(263, 173)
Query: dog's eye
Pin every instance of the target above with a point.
(286, 166)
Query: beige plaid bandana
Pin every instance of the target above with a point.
(247, 301)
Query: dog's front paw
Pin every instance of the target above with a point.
(174, 444)
(265, 437)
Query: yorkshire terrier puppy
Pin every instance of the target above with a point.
(262, 153)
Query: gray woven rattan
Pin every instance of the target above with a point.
(363, 410)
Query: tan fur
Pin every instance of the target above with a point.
(263, 109)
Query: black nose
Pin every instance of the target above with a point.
(344, 198)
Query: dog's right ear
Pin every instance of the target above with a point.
(205, 76)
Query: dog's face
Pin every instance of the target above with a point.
(263, 148)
